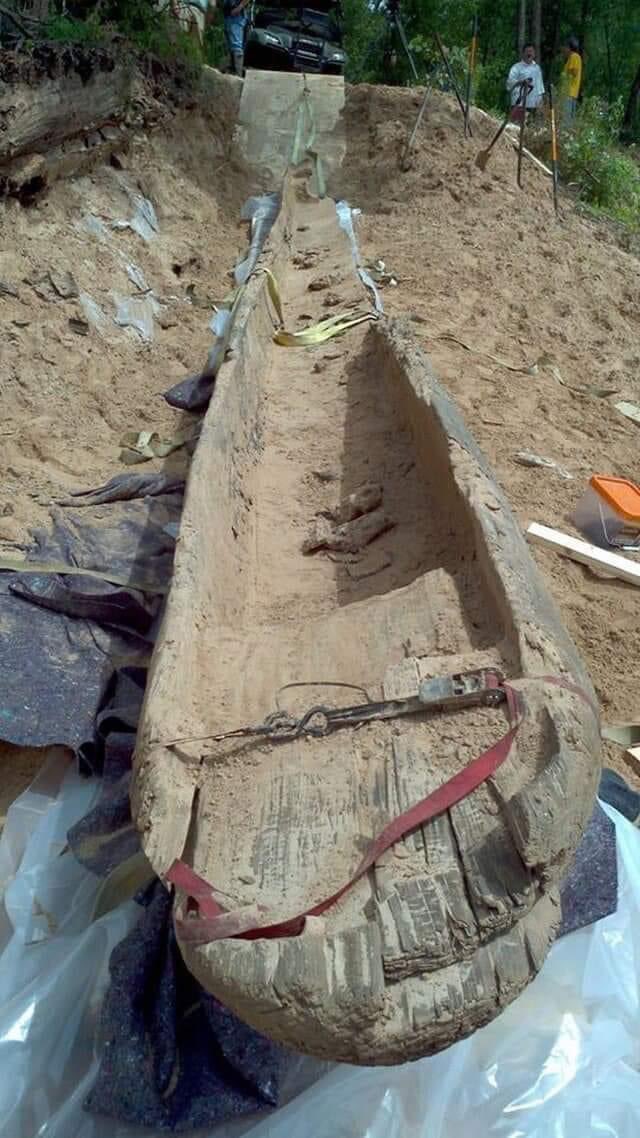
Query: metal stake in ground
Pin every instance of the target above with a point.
(523, 95)
(554, 147)
(452, 79)
(470, 71)
(394, 8)
(404, 161)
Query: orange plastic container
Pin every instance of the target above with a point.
(608, 514)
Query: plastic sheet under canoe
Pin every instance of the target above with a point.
(55, 668)
(562, 1060)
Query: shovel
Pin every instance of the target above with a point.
(482, 157)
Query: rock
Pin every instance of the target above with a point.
(325, 475)
(42, 286)
(79, 325)
(321, 535)
(64, 284)
(360, 570)
(27, 175)
(367, 498)
(167, 319)
(348, 538)
(10, 530)
(332, 300)
(7, 289)
(327, 281)
(306, 260)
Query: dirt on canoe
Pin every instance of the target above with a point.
(475, 258)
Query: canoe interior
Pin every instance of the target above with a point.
(290, 436)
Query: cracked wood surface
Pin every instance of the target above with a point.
(456, 918)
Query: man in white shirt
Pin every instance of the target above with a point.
(526, 70)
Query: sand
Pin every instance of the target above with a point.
(479, 258)
(66, 399)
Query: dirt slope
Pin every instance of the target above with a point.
(69, 391)
(480, 259)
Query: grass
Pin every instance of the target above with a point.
(145, 28)
(607, 175)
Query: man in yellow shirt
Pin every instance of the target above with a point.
(571, 78)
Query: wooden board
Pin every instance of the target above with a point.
(614, 564)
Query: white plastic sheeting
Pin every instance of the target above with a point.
(137, 312)
(345, 219)
(144, 220)
(53, 962)
(562, 1062)
(261, 211)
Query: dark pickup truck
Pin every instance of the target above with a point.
(289, 37)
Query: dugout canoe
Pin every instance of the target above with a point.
(341, 527)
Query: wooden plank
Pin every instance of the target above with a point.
(633, 753)
(613, 563)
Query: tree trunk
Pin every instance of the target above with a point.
(38, 116)
(609, 68)
(522, 24)
(487, 25)
(585, 16)
(631, 109)
(551, 28)
(59, 124)
(537, 28)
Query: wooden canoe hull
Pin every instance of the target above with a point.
(454, 920)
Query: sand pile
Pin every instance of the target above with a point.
(73, 380)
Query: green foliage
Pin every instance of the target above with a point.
(609, 31)
(215, 49)
(491, 91)
(145, 26)
(364, 33)
(590, 156)
(431, 63)
(63, 29)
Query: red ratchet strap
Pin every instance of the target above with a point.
(208, 921)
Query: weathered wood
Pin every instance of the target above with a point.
(36, 117)
(456, 917)
(340, 982)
